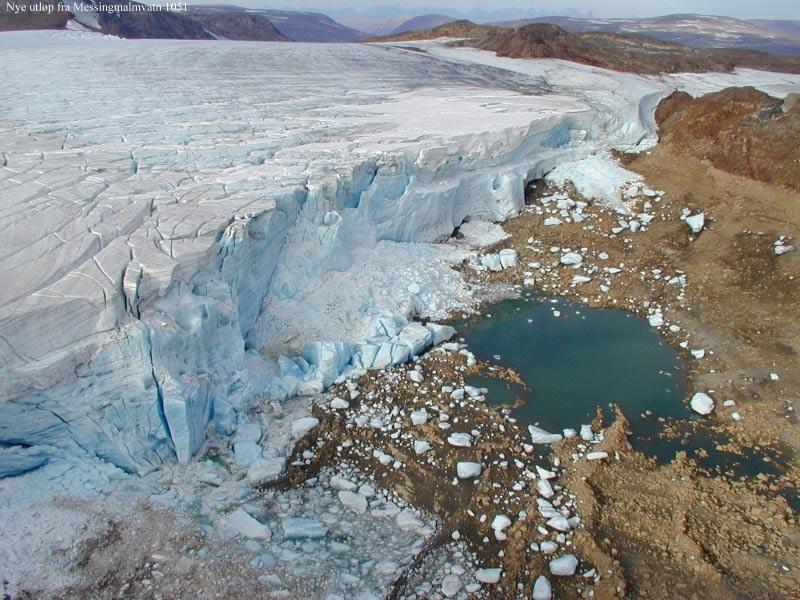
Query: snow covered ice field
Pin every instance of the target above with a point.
(190, 229)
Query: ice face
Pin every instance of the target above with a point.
(178, 215)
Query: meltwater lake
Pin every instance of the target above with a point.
(575, 359)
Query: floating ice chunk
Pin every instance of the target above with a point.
(542, 590)
(577, 279)
(774, 377)
(550, 221)
(296, 528)
(571, 258)
(416, 376)
(468, 470)
(696, 222)
(698, 353)
(587, 434)
(303, 425)
(564, 566)
(656, 319)
(702, 403)
(540, 436)
(244, 524)
(488, 575)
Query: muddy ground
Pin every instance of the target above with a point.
(672, 527)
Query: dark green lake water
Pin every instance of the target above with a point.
(582, 359)
(588, 358)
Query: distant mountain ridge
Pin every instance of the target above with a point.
(293, 25)
(96, 15)
(207, 22)
(620, 52)
(698, 31)
(423, 22)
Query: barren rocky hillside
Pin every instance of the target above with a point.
(631, 53)
(739, 130)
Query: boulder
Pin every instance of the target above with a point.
(492, 262)
(460, 440)
(696, 222)
(501, 522)
(542, 590)
(419, 417)
(468, 470)
(508, 258)
(702, 403)
(564, 566)
(488, 575)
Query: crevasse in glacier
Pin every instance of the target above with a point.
(190, 227)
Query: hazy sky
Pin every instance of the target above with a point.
(766, 9)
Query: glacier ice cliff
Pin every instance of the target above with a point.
(191, 227)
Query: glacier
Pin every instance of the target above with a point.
(192, 228)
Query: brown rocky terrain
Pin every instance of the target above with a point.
(676, 530)
(621, 52)
(738, 130)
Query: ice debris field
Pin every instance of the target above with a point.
(192, 229)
